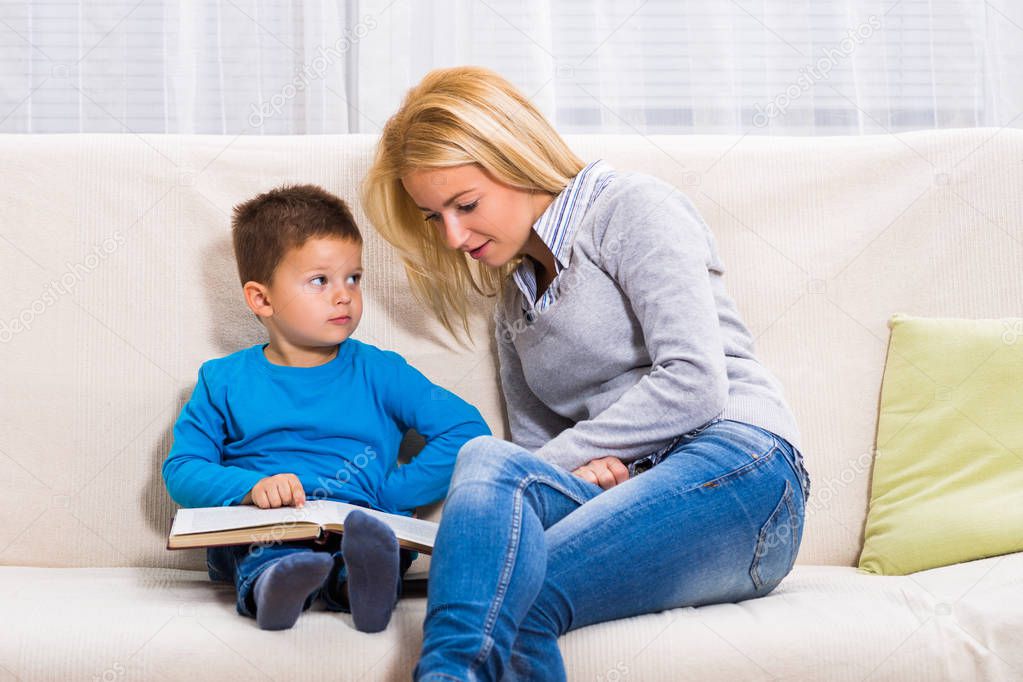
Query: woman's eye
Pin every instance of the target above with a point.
(468, 208)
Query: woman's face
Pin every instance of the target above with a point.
(474, 212)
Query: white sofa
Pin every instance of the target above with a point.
(119, 281)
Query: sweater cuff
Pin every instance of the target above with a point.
(246, 483)
(564, 452)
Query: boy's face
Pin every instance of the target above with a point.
(314, 295)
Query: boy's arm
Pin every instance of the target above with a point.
(439, 416)
(192, 471)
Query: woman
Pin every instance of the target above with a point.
(654, 461)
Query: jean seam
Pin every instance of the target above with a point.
(757, 461)
(659, 456)
(551, 483)
(555, 485)
(505, 576)
(784, 503)
(804, 475)
(799, 469)
(804, 484)
(700, 429)
(509, 562)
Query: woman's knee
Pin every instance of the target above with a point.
(483, 458)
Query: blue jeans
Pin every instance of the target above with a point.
(526, 551)
(243, 564)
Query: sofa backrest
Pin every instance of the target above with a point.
(116, 261)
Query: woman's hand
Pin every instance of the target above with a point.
(607, 472)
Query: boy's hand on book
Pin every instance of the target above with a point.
(607, 472)
(282, 490)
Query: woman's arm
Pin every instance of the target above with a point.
(659, 251)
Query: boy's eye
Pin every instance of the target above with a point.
(314, 280)
(354, 279)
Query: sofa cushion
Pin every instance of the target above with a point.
(119, 290)
(949, 465)
(822, 622)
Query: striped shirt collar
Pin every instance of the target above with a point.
(557, 224)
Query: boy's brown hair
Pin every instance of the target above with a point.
(267, 226)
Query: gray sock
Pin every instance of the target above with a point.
(281, 590)
(370, 551)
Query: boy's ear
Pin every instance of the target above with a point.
(257, 297)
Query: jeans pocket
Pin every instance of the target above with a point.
(804, 475)
(777, 543)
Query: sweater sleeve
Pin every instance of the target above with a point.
(658, 249)
(443, 419)
(193, 472)
(531, 422)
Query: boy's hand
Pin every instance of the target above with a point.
(282, 490)
(607, 472)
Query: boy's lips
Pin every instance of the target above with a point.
(341, 319)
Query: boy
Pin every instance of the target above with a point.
(312, 410)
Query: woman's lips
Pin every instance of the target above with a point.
(478, 251)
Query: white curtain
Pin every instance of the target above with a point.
(800, 67)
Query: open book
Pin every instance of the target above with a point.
(245, 524)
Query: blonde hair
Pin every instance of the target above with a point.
(456, 116)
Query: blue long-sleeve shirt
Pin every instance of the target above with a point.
(336, 426)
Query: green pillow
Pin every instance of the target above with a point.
(948, 468)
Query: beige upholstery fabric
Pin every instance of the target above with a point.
(822, 623)
(118, 278)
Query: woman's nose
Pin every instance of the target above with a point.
(454, 234)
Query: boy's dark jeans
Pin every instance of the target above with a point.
(243, 564)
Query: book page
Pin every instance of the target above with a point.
(207, 519)
(419, 531)
(321, 512)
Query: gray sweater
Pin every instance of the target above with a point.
(642, 342)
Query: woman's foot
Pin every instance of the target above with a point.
(370, 551)
(281, 591)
